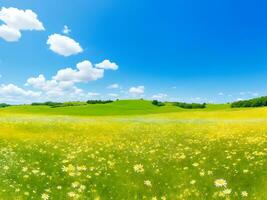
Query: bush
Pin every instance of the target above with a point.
(158, 103)
(3, 105)
(190, 105)
(99, 101)
(48, 103)
(256, 102)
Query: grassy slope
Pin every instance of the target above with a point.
(35, 150)
(124, 107)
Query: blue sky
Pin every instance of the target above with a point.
(214, 51)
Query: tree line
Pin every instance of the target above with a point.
(181, 104)
(190, 105)
(3, 105)
(256, 102)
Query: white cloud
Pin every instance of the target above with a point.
(15, 21)
(159, 96)
(66, 30)
(114, 86)
(60, 87)
(63, 45)
(86, 72)
(12, 90)
(54, 88)
(9, 34)
(106, 64)
(136, 91)
(221, 94)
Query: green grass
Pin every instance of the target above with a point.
(120, 153)
(123, 107)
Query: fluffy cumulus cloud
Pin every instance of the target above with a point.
(15, 21)
(63, 45)
(159, 96)
(85, 72)
(61, 87)
(12, 93)
(136, 91)
(106, 64)
(52, 87)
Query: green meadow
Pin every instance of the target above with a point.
(133, 150)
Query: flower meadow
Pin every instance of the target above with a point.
(153, 157)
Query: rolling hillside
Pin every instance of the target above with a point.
(122, 107)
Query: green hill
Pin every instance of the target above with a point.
(122, 107)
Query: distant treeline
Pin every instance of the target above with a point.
(66, 104)
(99, 101)
(256, 102)
(190, 105)
(158, 103)
(3, 105)
(180, 104)
(48, 103)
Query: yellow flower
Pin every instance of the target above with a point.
(45, 196)
(220, 183)
(244, 194)
(148, 183)
(139, 168)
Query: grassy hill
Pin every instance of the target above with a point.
(122, 107)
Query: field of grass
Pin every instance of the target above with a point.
(123, 107)
(133, 150)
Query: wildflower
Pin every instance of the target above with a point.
(71, 194)
(75, 184)
(192, 182)
(244, 194)
(220, 183)
(227, 191)
(45, 196)
(202, 173)
(24, 169)
(210, 172)
(195, 164)
(139, 168)
(148, 183)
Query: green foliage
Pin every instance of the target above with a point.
(99, 101)
(256, 102)
(48, 103)
(3, 105)
(190, 105)
(158, 103)
(121, 107)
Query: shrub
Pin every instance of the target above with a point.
(48, 103)
(158, 103)
(190, 105)
(3, 105)
(99, 101)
